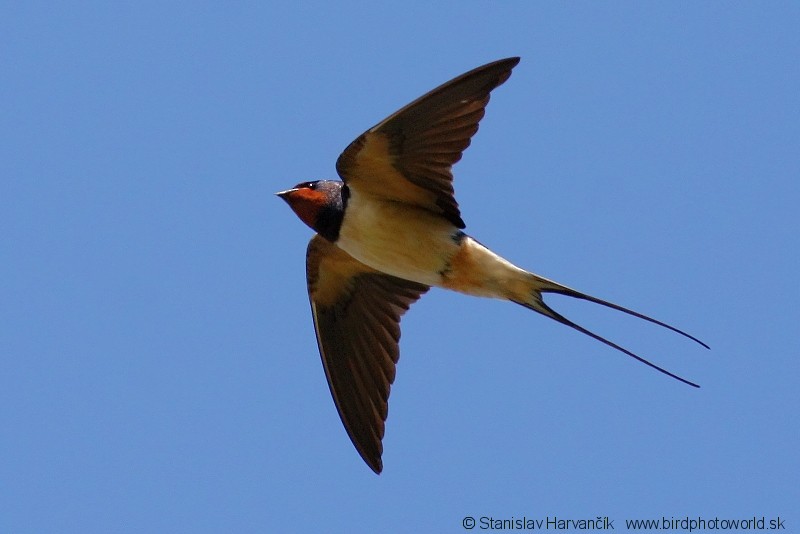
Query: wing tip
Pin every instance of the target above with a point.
(512, 61)
(376, 464)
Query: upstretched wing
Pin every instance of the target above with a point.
(409, 155)
(357, 314)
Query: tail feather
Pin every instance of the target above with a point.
(536, 303)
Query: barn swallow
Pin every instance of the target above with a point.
(389, 231)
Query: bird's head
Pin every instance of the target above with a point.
(319, 204)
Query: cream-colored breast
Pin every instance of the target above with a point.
(397, 238)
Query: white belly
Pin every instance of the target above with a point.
(397, 239)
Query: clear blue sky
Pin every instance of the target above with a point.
(158, 368)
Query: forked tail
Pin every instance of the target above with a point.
(536, 303)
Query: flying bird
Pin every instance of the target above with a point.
(389, 231)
